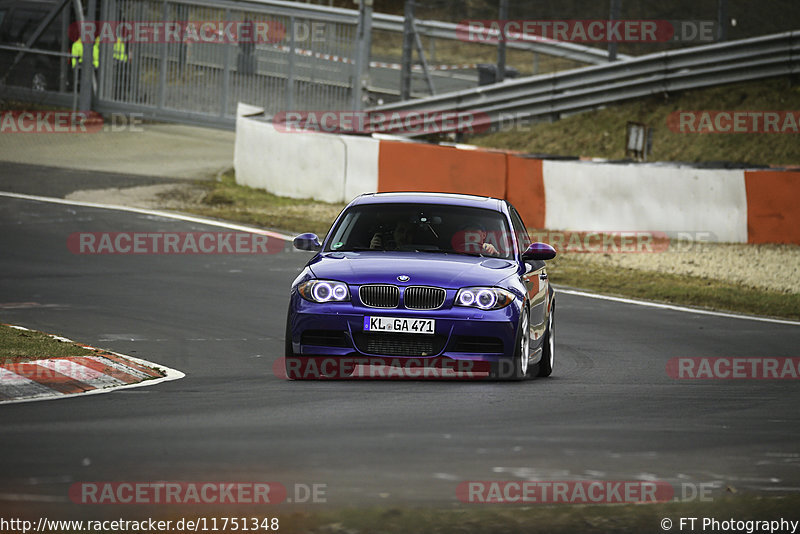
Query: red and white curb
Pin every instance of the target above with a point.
(55, 378)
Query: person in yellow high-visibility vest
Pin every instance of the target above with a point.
(77, 53)
(121, 70)
(119, 51)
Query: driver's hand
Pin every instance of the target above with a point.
(376, 241)
(488, 248)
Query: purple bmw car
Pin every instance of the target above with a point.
(420, 277)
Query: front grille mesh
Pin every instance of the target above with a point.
(379, 295)
(388, 344)
(324, 338)
(478, 344)
(423, 297)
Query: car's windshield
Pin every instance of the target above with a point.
(422, 228)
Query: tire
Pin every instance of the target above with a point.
(549, 345)
(292, 363)
(519, 366)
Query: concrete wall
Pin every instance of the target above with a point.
(331, 168)
(588, 196)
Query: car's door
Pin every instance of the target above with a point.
(534, 278)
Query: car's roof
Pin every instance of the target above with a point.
(413, 197)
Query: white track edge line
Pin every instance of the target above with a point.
(170, 374)
(674, 307)
(157, 213)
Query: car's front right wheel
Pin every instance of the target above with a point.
(549, 346)
(518, 367)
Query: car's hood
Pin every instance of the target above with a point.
(450, 271)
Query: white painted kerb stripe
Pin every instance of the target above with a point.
(81, 373)
(21, 386)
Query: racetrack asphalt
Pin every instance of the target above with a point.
(609, 412)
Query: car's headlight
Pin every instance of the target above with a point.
(324, 291)
(485, 298)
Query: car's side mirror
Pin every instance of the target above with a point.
(307, 241)
(539, 251)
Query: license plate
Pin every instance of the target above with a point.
(403, 325)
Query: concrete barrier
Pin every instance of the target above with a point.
(446, 169)
(589, 196)
(331, 168)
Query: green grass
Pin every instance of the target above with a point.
(26, 345)
(227, 200)
(601, 133)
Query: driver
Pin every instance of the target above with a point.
(402, 234)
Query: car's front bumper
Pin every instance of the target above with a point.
(337, 329)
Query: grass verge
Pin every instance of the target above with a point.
(26, 345)
(601, 133)
(225, 199)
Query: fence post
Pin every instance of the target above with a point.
(162, 64)
(87, 64)
(226, 73)
(408, 43)
(290, 68)
(501, 44)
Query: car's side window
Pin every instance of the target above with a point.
(521, 232)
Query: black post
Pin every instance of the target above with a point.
(614, 14)
(501, 44)
(722, 20)
(87, 65)
(408, 44)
